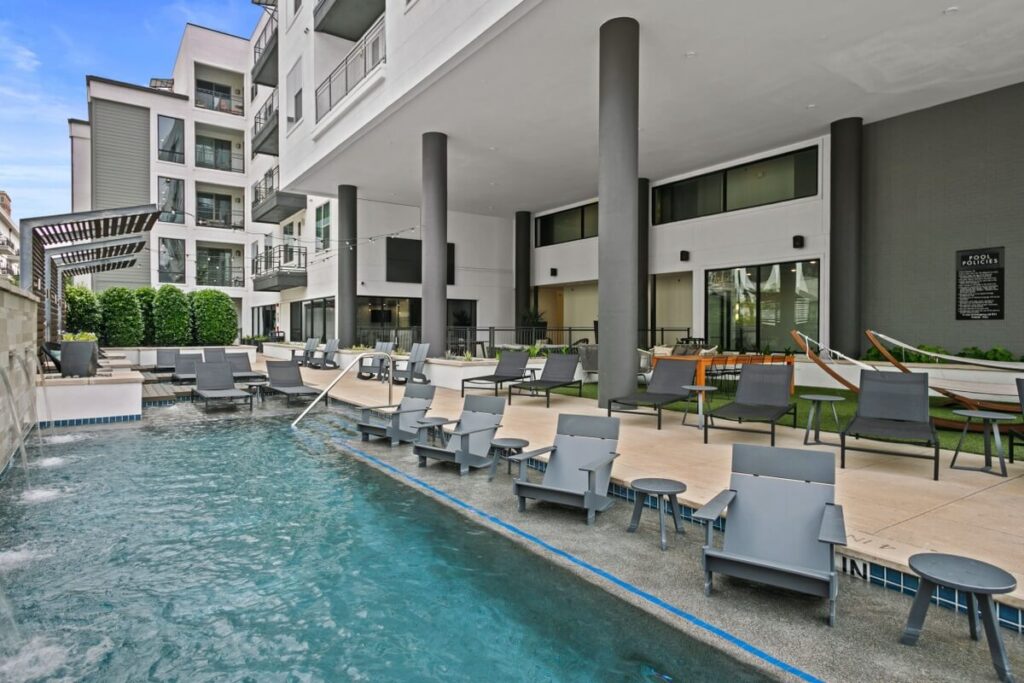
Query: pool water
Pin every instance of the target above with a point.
(241, 550)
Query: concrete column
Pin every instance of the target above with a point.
(845, 326)
(434, 229)
(643, 270)
(617, 287)
(522, 255)
(345, 302)
(25, 256)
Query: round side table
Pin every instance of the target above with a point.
(657, 488)
(503, 448)
(433, 425)
(814, 414)
(700, 390)
(990, 428)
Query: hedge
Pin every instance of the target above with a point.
(215, 317)
(145, 296)
(122, 320)
(83, 310)
(171, 317)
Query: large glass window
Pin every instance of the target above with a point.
(171, 260)
(323, 227)
(215, 210)
(216, 153)
(264, 320)
(172, 199)
(215, 267)
(566, 226)
(171, 139)
(777, 179)
(754, 308)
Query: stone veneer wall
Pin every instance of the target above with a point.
(17, 337)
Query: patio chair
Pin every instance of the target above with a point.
(185, 368)
(326, 358)
(666, 386)
(588, 360)
(783, 522)
(242, 369)
(559, 371)
(284, 377)
(1016, 431)
(218, 355)
(412, 371)
(306, 354)
(762, 395)
(214, 382)
(579, 466)
(165, 360)
(511, 368)
(376, 367)
(49, 353)
(468, 445)
(401, 424)
(893, 406)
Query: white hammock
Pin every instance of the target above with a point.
(827, 354)
(981, 362)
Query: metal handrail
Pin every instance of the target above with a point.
(367, 52)
(357, 359)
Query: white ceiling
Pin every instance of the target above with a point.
(521, 113)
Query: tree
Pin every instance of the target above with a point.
(146, 296)
(122, 319)
(83, 310)
(215, 317)
(171, 317)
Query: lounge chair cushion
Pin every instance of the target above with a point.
(889, 429)
(650, 398)
(738, 411)
(222, 393)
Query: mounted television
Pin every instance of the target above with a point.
(405, 261)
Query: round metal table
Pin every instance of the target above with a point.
(814, 414)
(657, 488)
(700, 390)
(990, 428)
(979, 581)
(503, 448)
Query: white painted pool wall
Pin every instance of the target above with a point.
(103, 399)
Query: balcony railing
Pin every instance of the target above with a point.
(8, 269)
(367, 53)
(218, 101)
(266, 114)
(7, 246)
(214, 218)
(282, 258)
(266, 36)
(212, 275)
(171, 275)
(207, 157)
(266, 185)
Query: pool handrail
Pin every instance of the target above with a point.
(355, 361)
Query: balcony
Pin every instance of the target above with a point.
(8, 247)
(265, 128)
(219, 100)
(279, 268)
(216, 275)
(269, 204)
(346, 19)
(219, 160)
(215, 217)
(264, 54)
(361, 60)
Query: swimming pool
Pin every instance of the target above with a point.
(241, 550)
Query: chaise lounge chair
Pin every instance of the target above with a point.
(326, 359)
(1016, 431)
(664, 387)
(559, 371)
(893, 405)
(165, 359)
(783, 522)
(214, 382)
(468, 445)
(402, 424)
(217, 355)
(241, 369)
(306, 354)
(284, 377)
(762, 395)
(579, 465)
(376, 367)
(185, 368)
(412, 371)
(511, 368)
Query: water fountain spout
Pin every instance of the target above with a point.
(19, 433)
(33, 408)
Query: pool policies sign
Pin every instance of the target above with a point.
(979, 284)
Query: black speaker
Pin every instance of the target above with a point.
(798, 241)
(684, 255)
(554, 272)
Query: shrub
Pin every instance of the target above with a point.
(171, 317)
(78, 336)
(145, 296)
(122, 320)
(83, 313)
(999, 353)
(215, 317)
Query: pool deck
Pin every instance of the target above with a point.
(893, 508)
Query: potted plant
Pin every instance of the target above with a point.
(533, 327)
(79, 355)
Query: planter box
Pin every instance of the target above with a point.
(79, 358)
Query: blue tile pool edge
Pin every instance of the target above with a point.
(78, 422)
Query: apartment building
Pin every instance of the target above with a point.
(8, 240)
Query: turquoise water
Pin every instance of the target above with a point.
(238, 550)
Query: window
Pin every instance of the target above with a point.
(312, 318)
(293, 83)
(171, 261)
(171, 198)
(264, 321)
(289, 242)
(171, 139)
(217, 96)
(216, 153)
(215, 268)
(793, 175)
(567, 226)
(753, 308)
(405, 261)
(296, 6)
(323, 227)
(215, 210)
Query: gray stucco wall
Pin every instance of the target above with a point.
(937, 181)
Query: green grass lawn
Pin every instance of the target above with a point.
(939, 408)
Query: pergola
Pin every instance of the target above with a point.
(79, 244)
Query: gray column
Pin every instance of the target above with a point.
(25, 256)
(522, 275)
(845, 327)
(345, 304)
(434, 229)
(643, 270)
(617, 290)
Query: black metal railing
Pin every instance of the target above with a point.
(7, 244)
(367, 53)
(266, 185)
(208, 157)
(266, 114)
(213, 275)
(267, 35)
(219, 101)
(282, 258)
(207, 217)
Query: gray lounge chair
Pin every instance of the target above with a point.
(511, 368)
(579, 466)
(893, 406)
(666, 386)
(1016, 431)
(215, 355)
(412, 371)
(242, 369)
(468, 445)
(326, 358)
(185, 368)
(214, 382)
(376, 367)
(284, 377)
(402, 424)
(306, 354)
(783, 523)
(559, 371)
(762, 395)
(165, 360)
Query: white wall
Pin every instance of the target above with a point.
(81, 166)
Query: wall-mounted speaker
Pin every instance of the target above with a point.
(684, 255)
(554, 272)
(798, 241)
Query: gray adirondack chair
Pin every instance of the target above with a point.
(763, 395)
(511, 368)
(666, 386)
(242, 369)
(893, 405)
(215, 383)
(302, 357)
(579, 465)
(165, 360)
(402, 424)
(412, 371)
(375, 367)
(284, 377)
(468, 445)
(326, 358)
(559, 371)
(783, 523)
(185, 367)
(215, 355)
